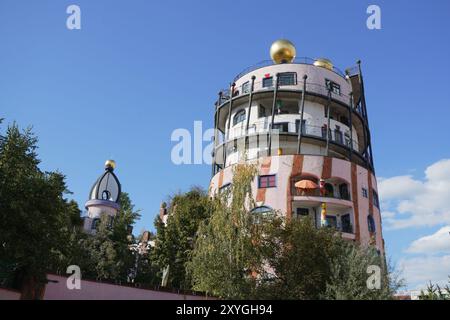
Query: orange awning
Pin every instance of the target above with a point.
(305, 184)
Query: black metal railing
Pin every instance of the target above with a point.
(265, 63)
(340, 137)
(311, 87)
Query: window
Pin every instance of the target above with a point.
(333, 86)
(260, 212)
(365, 193)
(268, 181)
(376, 202)
(225, 188)
(287, 79)
(281, 126)
(329, 190)
(371, 223)
(95, 223)
(106, 195)
(239, 117)
(343, 190)
(302, 212)
(338, 135)
(331, 221)
(346, 223)
(246, 87)
(262, 209)
(261, 111)
(344, 120)
(267, 82)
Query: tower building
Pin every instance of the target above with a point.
(305, 124)
(103, 198)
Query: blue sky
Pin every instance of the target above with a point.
(137, 70)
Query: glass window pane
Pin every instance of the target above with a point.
(267, 82)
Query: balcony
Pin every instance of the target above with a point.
(314, 92)
(338, 137)
(317, 193)
(334, 191)
(339, 220)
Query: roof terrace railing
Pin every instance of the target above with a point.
(265, 63)
(311, 87)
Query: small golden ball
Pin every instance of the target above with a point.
(282, 51)
(324, 63)
(110, 164)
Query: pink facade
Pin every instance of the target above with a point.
(57, 289)
(281, 197)
(7, 294)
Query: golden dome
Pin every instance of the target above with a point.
(324, 63)
(282, 51)
(110, 164)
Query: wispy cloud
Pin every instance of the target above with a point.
(409, 202)
(418, 271)
(438, 242)
(414, 203)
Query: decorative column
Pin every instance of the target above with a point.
(229, 124)
(350, 113)
(302, 110)
(328, 130)
(275, 92)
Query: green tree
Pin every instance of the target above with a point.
(33, 211)
(174, 242)
(298, 255)
(349, 275)
(226, 250)
(147, 271)
(435, 292)
(239, 255)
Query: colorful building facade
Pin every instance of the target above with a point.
(304, 123)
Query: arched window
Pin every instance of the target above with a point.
(371, 223)
(260, 212)
(329, 190)
(343, 191)
(95, 224)
(239, 117)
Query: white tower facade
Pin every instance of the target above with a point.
(304, 123)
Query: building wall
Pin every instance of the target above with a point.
(316, 75)
(287, 166)
(56, 289)
(7, 294)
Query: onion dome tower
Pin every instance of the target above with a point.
(304, 124)
(103, 198)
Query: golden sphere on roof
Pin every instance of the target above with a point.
(324, 63)
(110, 164)
(282, 51)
